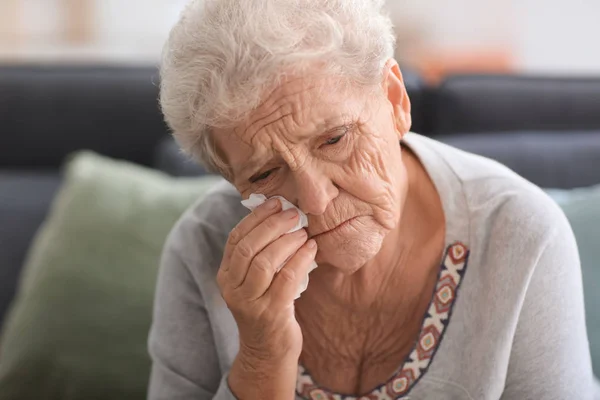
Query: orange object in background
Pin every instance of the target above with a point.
(78, 21)
(10, 22)
(433, 66)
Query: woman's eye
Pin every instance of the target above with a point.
(334, 140)
(261, 177)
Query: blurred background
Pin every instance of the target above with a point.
(436, 37)
(81, 233)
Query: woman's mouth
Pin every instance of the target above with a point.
(344, 225)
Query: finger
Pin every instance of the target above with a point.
(286, 283)
(256, 241)
(266, 264)
(248, 223)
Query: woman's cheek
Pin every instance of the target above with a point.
(362, 185)
(368, 167)
(381, 188)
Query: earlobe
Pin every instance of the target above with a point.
(397, 96)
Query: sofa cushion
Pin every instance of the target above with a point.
(25, 197)
(79, 323)
(46, 112)
(582, 208)
(465, 104)
(549, 159)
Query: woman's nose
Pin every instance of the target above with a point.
(314, 191)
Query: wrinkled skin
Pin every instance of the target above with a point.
(372, 209)
(361, 176)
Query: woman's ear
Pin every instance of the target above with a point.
(393, 85)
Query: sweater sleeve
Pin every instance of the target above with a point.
(550, 355)
(185, 364)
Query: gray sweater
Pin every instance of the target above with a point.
(506, 320)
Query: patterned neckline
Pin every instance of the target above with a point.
(416, 364)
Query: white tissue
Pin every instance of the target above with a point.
(256, 200)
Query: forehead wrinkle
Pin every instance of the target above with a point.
(250, 131)
(272, 133)
(291, 154)
(293, 94)
(294, 90)
(270, 118)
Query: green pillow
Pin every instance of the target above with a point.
(79, 324)
(582, 208)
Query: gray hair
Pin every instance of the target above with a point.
(224, 55)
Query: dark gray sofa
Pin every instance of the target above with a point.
(546, 129)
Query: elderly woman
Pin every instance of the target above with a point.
(441, 275)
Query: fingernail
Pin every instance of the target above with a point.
(311, 244)
(272, 204)
(301, 233)
(291, 213)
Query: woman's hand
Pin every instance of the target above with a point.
(262, 299)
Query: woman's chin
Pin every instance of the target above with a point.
(348, 251)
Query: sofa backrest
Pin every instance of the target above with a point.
(545, 129)
(498, 103)
(46, 112)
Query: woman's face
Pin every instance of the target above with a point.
(335, 154)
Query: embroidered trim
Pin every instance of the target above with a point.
(417, 363)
